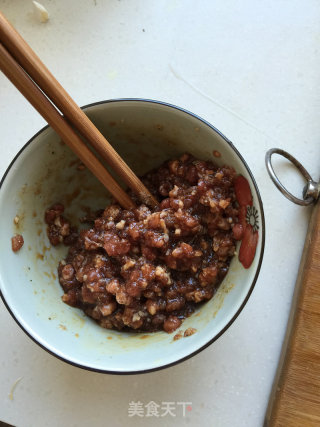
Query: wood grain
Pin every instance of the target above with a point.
(32, 93)
(295, 396)
(30, 62)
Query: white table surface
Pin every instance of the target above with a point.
(252, 70)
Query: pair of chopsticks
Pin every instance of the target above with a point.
(31, 77)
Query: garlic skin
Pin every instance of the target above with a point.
(40, 12)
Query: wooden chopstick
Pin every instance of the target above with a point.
(33, 94)
(29, 61)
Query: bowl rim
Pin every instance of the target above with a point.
(244, 302)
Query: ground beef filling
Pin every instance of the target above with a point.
(147, 269)
(17, 242)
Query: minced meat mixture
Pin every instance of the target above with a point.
(147, 269)
(17, 242)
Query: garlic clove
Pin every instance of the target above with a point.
(40, 12)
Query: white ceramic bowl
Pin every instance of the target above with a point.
(145, 133)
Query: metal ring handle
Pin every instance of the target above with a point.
(302, 202)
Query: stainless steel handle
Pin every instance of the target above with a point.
(311, 190)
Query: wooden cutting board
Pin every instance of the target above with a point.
(295, 397)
